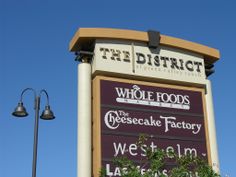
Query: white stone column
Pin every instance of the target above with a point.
(84, 145)
(212, 128)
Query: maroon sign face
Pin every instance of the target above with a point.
(150, 97)
(153, 123)
(172, 117)
(118, 146)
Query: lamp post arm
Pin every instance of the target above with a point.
(22, 93)
(45, 92)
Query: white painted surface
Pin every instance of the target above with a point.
(100, 64)
(212, 128)
(84, 149)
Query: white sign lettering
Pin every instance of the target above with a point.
(113, 119)
(116, 171)
(133, 149)
(149, 98)
(171, 123)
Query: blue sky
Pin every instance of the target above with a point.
(34, 39)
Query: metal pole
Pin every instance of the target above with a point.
(35, 148)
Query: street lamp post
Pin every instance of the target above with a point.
(47, 114)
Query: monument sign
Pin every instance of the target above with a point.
(134, 82)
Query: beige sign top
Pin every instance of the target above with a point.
(85, 37)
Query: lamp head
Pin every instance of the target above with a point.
(20, 110)
(47, 114)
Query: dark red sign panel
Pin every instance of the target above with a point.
(150, 97)
(172, 117)
(117, 146)
(152, 123)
